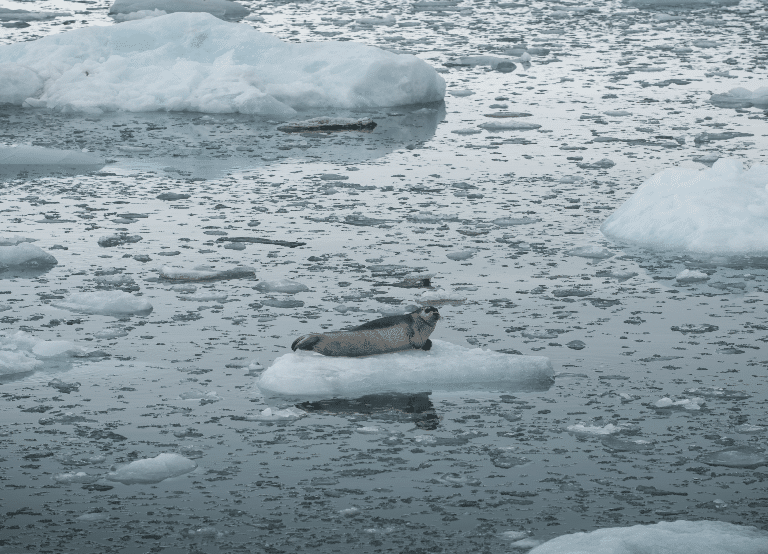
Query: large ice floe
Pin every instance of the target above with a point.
(676, 537)
(17, 252)
(722, 210)
(446, 366)
(115, 303)
(197, 62)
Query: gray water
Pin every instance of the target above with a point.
(429, 472)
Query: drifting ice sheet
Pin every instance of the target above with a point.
(196, 62)
(445, 367)
(722, 210)
(677, 537)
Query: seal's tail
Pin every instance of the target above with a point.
(305, 343)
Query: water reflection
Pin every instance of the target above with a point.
(399, 407)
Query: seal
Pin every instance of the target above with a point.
(380, 336)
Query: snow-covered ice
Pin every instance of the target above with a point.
(446, 366)
(115, 303)
(675, 537)
(152, 470)
(197, 62)
(722, 210)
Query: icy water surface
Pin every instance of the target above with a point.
(658, 409)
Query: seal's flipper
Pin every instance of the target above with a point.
(305, 343)
(427, 345)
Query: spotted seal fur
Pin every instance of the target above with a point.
(380, 336)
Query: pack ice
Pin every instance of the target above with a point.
(197, 62)
(676, 537)
(446, 366)
(722, 210)
(152, 470)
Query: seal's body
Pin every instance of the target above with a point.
(380, 336)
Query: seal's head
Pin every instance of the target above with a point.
(429, 314)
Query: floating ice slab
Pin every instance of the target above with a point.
(676, 537)
(445, 367)
(196, 62)
(220, 8)
(25, 255)
(115, 303)
(741, 98)
(21, 352)
(153, 470)
(722, 210)
(205, 273)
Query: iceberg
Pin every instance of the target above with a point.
(152, 470)
(223, 9)
(722, 210)
(446, 366)
(197, 62)
(675, 537)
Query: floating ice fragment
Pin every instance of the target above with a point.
(695, 328)
(685, 403)
(286, 286)
(581, 429)
(741, 98)
(595, 252)
(749, 457)
(691, 276)
(152, 470)
(117, 240)
(509, 126)
(461, 92)
(670, 537)
(205, 273)
(722, 210)
(514, 535)
(25, 255)
(470, 131)
(445, 366)
(114, 303)
(79, 477)
(269, 414)
(617, 113)
(461, 255)
(440, 296)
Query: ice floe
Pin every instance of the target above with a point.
(21, 352)
(152, 470)
(741, 97)
(670, 537)
(722, 210)
(205, 273)
(446, 366)
(115, 303)
(197, 62)
(25, 255)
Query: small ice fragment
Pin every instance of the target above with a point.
(286, 286)
(691, 276)
(114, 303)
(152, 470)
(580, 428)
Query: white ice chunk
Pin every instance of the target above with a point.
(580, 428)
(440, 295)
(204, 273)
(79, 477)
(153, 470)
(670, 537)
(7, 14)
(741, 97)
(116, 303)
(269, 414)
(691, 276)
(446, 366)
(25, 255)
(17, 362)
(722, 210)
(196, 62)
(22, 352)
(509, 125)
(282, 285)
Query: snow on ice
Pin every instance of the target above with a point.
(722, 210)
(152, 470)
(197, 62)
(445, 367)
(676, 537)
(115, 303)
